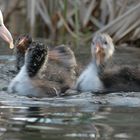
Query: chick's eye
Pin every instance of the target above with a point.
(93, 43)
(105, 42)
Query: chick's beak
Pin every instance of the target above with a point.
(22, 42)
(6, 35)
(98, 48)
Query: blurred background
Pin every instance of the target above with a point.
(63, 21)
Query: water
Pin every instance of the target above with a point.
(78, 117)
(59, 119)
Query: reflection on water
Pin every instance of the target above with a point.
(70, 118)
(68, 123)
